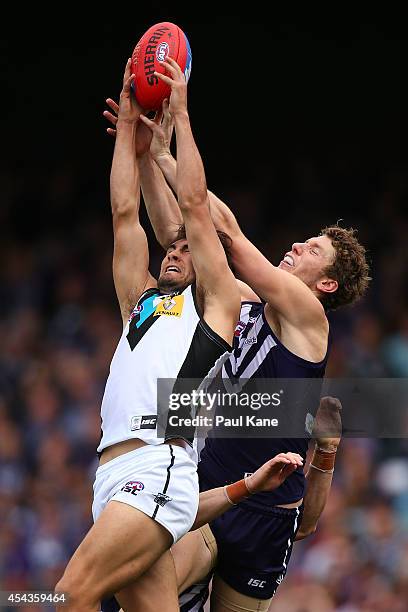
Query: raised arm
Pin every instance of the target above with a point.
(160, 201)
(130, 257)
(247, 259)
(158, 170)
(327, 435)
(216, 285)
(161, 204)
(281, 290)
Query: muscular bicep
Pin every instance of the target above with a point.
(130, 262)
(284, 292)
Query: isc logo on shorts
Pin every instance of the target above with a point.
(133, 487)
(257, 583)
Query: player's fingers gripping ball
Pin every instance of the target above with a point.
(160, 41)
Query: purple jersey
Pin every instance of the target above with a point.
(259, 354)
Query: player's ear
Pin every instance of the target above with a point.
(327, 285)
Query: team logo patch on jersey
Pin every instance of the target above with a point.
(143, 422)
(239, 328)
(170, 305)
(162, 499)
(136, 311)
(133, 487)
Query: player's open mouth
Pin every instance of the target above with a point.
(288, 259)
(172, 269)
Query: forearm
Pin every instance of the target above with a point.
(222, 216)
(318, 489)
(168, 165)
(161, 205)
(124, 177)
(191, 183)
(212, 504)
(267, 477)
(318, 481)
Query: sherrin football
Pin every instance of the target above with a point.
(155, 45)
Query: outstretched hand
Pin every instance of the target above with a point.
(128, 109)
(273, 473)
(161, 128)
(327, 426)
(178, 84)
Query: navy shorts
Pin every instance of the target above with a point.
(254, 547)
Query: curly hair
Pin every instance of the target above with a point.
(349, 268)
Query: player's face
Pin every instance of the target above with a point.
(308, 260)
(177, 270)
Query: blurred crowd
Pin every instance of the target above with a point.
(59, 325)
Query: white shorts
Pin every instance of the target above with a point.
(160, 480)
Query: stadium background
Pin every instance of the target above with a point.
(299, 125)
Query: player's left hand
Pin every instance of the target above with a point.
(272, 473)
(129, 110)
(177, 82)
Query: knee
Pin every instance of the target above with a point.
(76, 589)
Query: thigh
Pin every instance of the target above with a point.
(194, 557)
(121, 545)
(226, 599)
(155, 590)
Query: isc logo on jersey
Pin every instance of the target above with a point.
(170, 306)
(143, 422)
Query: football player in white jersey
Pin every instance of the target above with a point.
(146, 495)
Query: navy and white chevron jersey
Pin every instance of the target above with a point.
(165, 338)
(259, 354)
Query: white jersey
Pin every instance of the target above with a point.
(165, 338)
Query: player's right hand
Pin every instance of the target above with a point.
(327, 426)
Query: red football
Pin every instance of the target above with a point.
(156, 44)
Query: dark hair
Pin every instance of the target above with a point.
(225, 240)
(349, 268)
